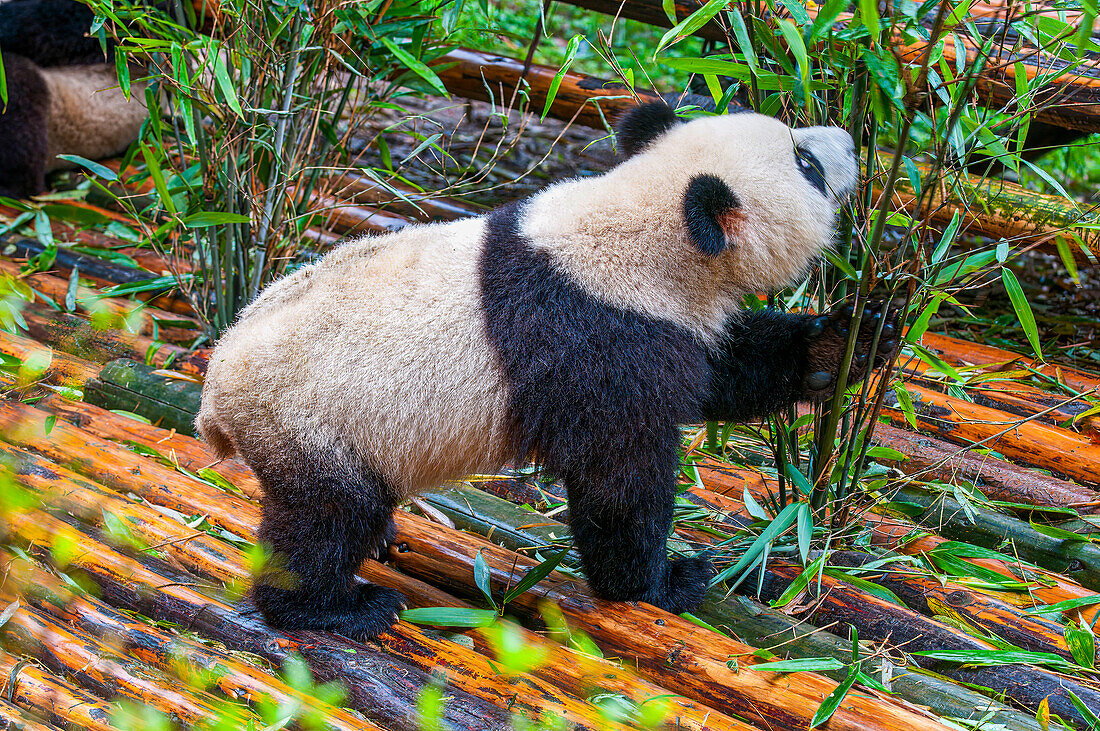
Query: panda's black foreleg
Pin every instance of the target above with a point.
(320, 522)
(621, 513)
(768, 360)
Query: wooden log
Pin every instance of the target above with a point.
(588, 100)
(66, 260)
(119, 468)
(350, 220)
(186, 451)
(935, 459)
(173, 654)
(885, 621)
(1046, 586)
(1042, 445)
(382, 687)
(963, 352)
(982, 611)
(63, 490)
(167, 399)
(692, 662)
(15, 718)
(750, 622)
(530, 691)
(33, 689)
(77, 336)
(138, 317)
(89, 662)
(46, 364)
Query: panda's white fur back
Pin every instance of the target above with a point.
(89, 115)
(377, 349)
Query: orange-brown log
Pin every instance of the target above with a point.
(200, 553)
(963, 352)
(383, 687)
(690, 661)
(348, 219)
(591, 101)
(47, 696)
(119, 468)
(1031, 442)
(171, 653)
(15, 718)
(89, 662)
(47, 364)
(934, 459)
(77, 336)
(420, 206)
(62, 489)
(186, 451)
(1045, 586)
(138, 316)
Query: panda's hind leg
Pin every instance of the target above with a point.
(321, 518)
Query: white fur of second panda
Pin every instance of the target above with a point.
(381, 344)
(398, 363)
(89, 115)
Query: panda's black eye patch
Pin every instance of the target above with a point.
(811, 169)
(708, 202)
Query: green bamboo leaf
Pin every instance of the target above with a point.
(416, 66)
(797, 478)
(157, 175)
(797, 47)
(1066, 255)
(122, 70)
(450, 616)
(828, 707)
(799, 665)
(779, 524)
(1082, 645)
(213, 218)
(741, 33)
(1023, 309)
(221, 75)
(805, 530)
(1087, 713)
(868, 14)
(570, 54)
(868, 586)
(690, 24)
(482, 577)
(535, 574)
(800, 582)
(3, 85)
(887, 454)
(1000, 657)
(1057, 533)
(101, 171)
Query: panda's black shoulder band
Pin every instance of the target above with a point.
(706, 201)
(643, 124)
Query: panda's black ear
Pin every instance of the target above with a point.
(643, 124)
(711, 212)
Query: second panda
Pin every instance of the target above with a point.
(62, 97)
(578, 328)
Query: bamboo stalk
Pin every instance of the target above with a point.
(33, 689)
(383, 687)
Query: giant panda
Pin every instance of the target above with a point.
(62, 97)
(579, 328)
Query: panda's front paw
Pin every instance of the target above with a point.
(827, 338)
(688, 581)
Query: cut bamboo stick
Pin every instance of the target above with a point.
(77, 336)
(35, 690)
(963, 352)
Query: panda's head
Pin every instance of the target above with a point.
(758, 199)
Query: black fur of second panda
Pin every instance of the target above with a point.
(36, 34)
(598, 392)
